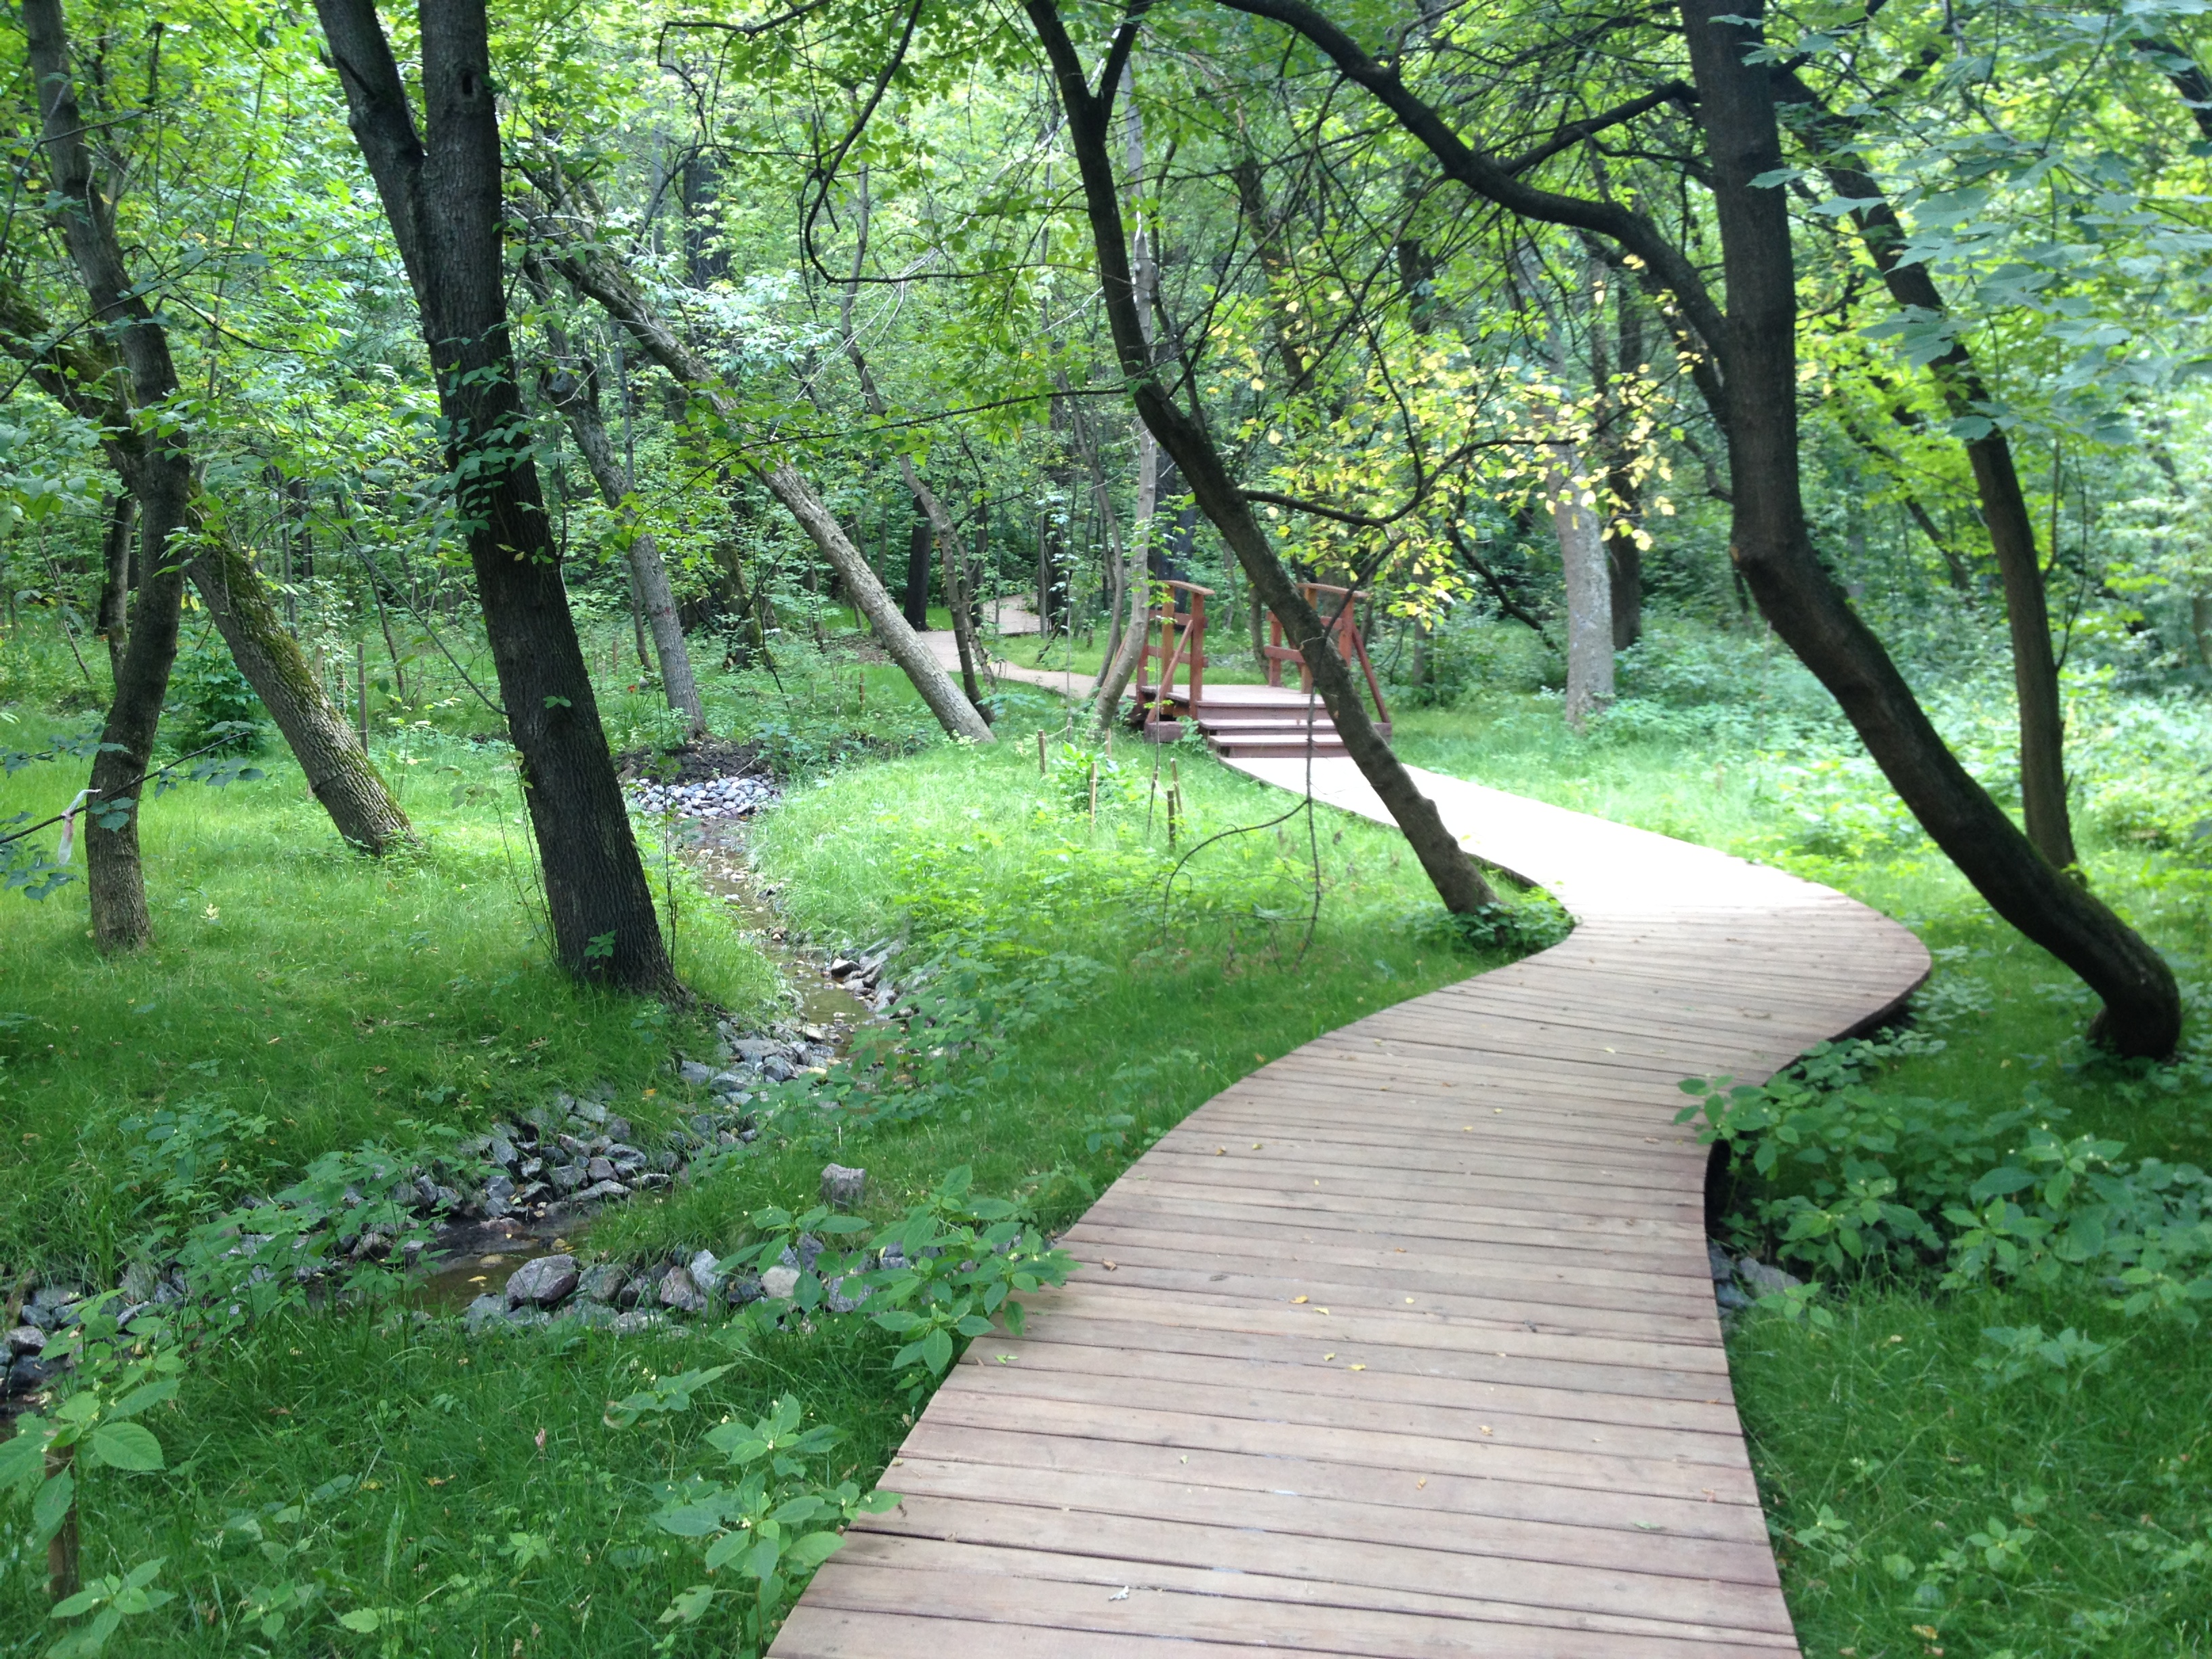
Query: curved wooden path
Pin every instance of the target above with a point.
(1405, 1345)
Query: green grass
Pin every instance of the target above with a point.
(338, 998)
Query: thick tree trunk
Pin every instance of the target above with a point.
(1457, 882)
(1624, 552)
(157, 469)
(574, 388)
(444, 202)
(1773, 552)
(329, 751)
(1996, 481)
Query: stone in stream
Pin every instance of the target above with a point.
(843, 1188)
(490, 1309)
(679, 1291)
(542, 1282)
(603, 1283)
(499, 1196)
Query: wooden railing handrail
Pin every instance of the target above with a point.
(1178, 630)
(1342, 623)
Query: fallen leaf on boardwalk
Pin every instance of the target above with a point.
(1108, 1265)
(1359, 1368)
(1121, 1595)
(1649, 1525)
(1485, 1428)
(1328, 1356)
(1423, 1481)
(1222, 1152)
(1297, 1298)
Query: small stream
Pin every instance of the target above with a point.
(477, 1256)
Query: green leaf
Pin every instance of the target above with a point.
(129, 1446)
(139, 1399)
(814, 1549)
(726, 1548)
(23, 1459)
(52, 1506)
(937, 1351)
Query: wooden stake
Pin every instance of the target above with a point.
(1094, 794)
(1040, 772)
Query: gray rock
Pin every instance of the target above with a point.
(843, 1188)
(61, 1296)
(618, 1128)
(1730, 1299)
(649, 1182)
(600, 1169)
(486, 1310)
(503, 1153)
(499, 1195)
(139, 1280)
(592, 1315)
(1762, 1279)
(679, 1291)
(1718, 1264)
(24, 1339)
(566, 1177)
(602, 1283)
(630, 1324)
(741, 1288)
(755, 1049)
(590, 1110)
(542, 1282)
(778, 1282)
(600, 1191)
(694, 1073)
(28, 1375)
(706, 1272)
(778, 1069)
(835, 1295)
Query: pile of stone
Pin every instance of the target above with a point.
(863, 975)
(708, 797)
(627, 1297)
(54, 1308)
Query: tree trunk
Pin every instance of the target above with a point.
(330, 752)
(2200, 627)
(1624, 551)
(1457, 882)
(157, 469)
(573, 388)
(920, 537)
(1996, 480)
(1589, 596)
(955, 714)
(114, 622)
(1773, 552)
(443, 202)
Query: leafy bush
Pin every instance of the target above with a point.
(212, 704)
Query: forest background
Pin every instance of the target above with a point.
(795, 328)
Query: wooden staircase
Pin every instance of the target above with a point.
(1272, 721)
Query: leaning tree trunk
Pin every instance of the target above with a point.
(1457, 882)
(1773, 551)
(444, 202)
(326, 744)
(157, 469)
(907, 648)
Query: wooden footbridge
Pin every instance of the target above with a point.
(1404, 1346)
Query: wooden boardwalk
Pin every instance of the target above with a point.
(1405, 1345)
